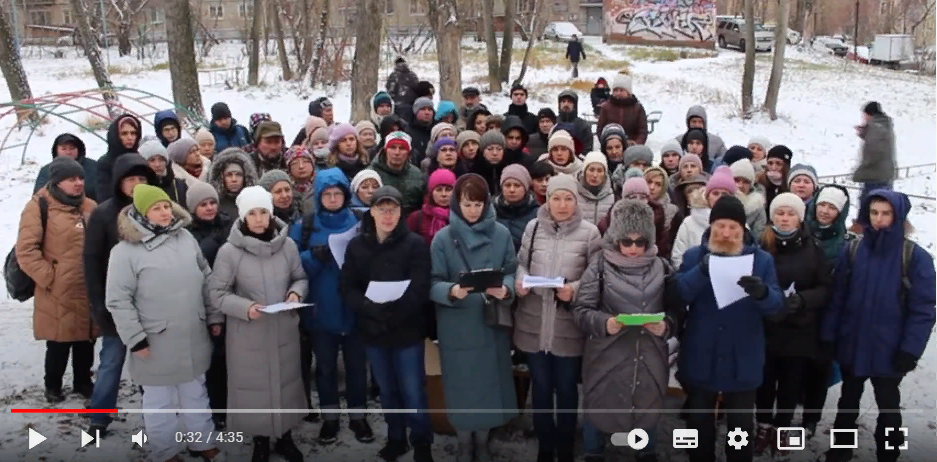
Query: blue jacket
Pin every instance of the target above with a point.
(235, 136)
(446, 108)
(164, 116)
(330, 312)
(865, 319)
(724, 350)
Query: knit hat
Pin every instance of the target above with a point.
(636, 153)
(621, 81)
(631, 216)
(338, 132)
(398, 138)
(146, 196)
(548, 113)
(872, 108)
(760, 141)
(561, 182)
(198, 192)
(63, 168)
(470, 91)
(561, 138)
(490, 137)
(441, 177)
(179, 150)
(386, 193)
(150, 147)
(364, 126)
(272, 177)
(731, 208)
(633, 172)
(612, 130)
(295, 152)
(266, 129)
(516, 172)
(321, 133)
(539, 169)
(256, 118)
(444, 141)
(736, 153)
(464, 136)
(595, 157)
(314, 123)
(317, 105)
(691, 159)
(381, 97)
(204, 135)
(802, 170)
(424, 88)
(636, 185)
(674, 146)
(788, 200)
(439, 128)
(722, 179)
(743, 169)
(422, 102)
(366, 174)
(220, 111)
(833, 196)
(253, 197)
(697, 134)
(781, 152)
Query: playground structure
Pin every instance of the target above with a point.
(103, 103)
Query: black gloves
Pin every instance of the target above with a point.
(753, 286)
(704, 265)
(793, 304)
(322, 253)
(904, 362)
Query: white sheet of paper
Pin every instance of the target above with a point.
(277, 307)
(338, 243)
(790, 291)
(724, 274)
(386, 291)
(540, 281)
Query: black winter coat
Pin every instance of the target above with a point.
(176, 188)
(799, 260)
(403, 255)
(516, 216)
(529, 119)
(420, 134)
(101, 236)
(211, 235)
(105, 183)
(574, 51)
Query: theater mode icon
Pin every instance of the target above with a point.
(842, 441)
(685, 438)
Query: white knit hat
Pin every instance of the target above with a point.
(787, 200)
(366, 174)
(253, 197)
(621, 81)
(151, 147)
(561, 138)
(743, 168)
(595, 157)
(833, 196)
(761, 141)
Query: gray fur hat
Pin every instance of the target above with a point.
(631, 216)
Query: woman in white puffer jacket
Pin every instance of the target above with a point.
(691, 230)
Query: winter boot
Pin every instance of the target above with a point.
(54, 395)
(312, 417)
(261, 449)
(84, 389)
(287, 448)
(362, 430)
(393, 450)
(422, 453)
(328, 434)
(764, 438)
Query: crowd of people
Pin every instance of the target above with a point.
(172, 247)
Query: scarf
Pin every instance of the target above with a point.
(595, 190)
(303, 187)
(149, 225)
(438, 218)
(265, 236)
(59, 195)
(774, 178)
(615, 257)
(286, 214)
(784, 234)
(352, 159)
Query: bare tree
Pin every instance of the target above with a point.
(777, 66)
(253, 62)
(126, 11)
(319, 46)
(929, 7)
(446, 24)
(281, 42)
(101, 75)
(802, 10)
(507, 40)
(183, 71)
(491, 42)
(535, 27)
(12, 67)
(748, 75)
(367, 58)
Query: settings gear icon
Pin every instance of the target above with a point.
(738, 438)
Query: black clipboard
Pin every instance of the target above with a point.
(481, 280)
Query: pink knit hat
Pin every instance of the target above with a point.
(636, 185)
(722, 179)
(313, 122)
(691, 159)
(340, 131)
(440, 177)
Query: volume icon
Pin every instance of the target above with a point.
(139, 438)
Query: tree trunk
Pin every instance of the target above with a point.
(507, 42)
(90, 45)
(320, 44)
(12, 68)
(124, 29)
(183, 71)
(777, 67)
(307, 26)
(367, 57)
(748, 75)
(799, 16)
(531, 39)
(281, 42)
(444, 20)
(253, 63)
(494, 73)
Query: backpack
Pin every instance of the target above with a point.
(20, 286)
(906, 253)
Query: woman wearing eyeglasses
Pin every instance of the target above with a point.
(690, 234)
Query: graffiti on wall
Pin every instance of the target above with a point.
(662, 20)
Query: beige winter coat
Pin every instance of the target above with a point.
(559, 250)
(569, 169)
(263, 355)
(181, 174)
(594, 206)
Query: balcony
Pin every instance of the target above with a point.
(31, 4)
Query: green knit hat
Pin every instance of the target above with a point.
(146, 196)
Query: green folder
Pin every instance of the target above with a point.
(640, 319)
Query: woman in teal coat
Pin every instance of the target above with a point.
(475, 356)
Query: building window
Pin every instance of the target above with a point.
(417, 6)
(246, 10)
(215, 11)
(389, 6)
(154, 16)
(525, 6)
(560, 6)
(68, 17)
(39, 18)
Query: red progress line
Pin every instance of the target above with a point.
(63, 411)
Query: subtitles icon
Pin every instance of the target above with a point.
(685, 438)
(843, 441)
(791, 438)
(889, 431)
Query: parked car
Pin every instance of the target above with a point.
(731, 32)
(832, 45)
(560, 31)
(793, 37)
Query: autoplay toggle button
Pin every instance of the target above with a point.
(636, 439)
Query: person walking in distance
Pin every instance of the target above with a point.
(575, 52)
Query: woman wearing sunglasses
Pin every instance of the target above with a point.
(624, 367)
(701, 201)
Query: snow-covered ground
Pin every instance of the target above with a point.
(820, 102)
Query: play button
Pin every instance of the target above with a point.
(35, 438)
(638, 439)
